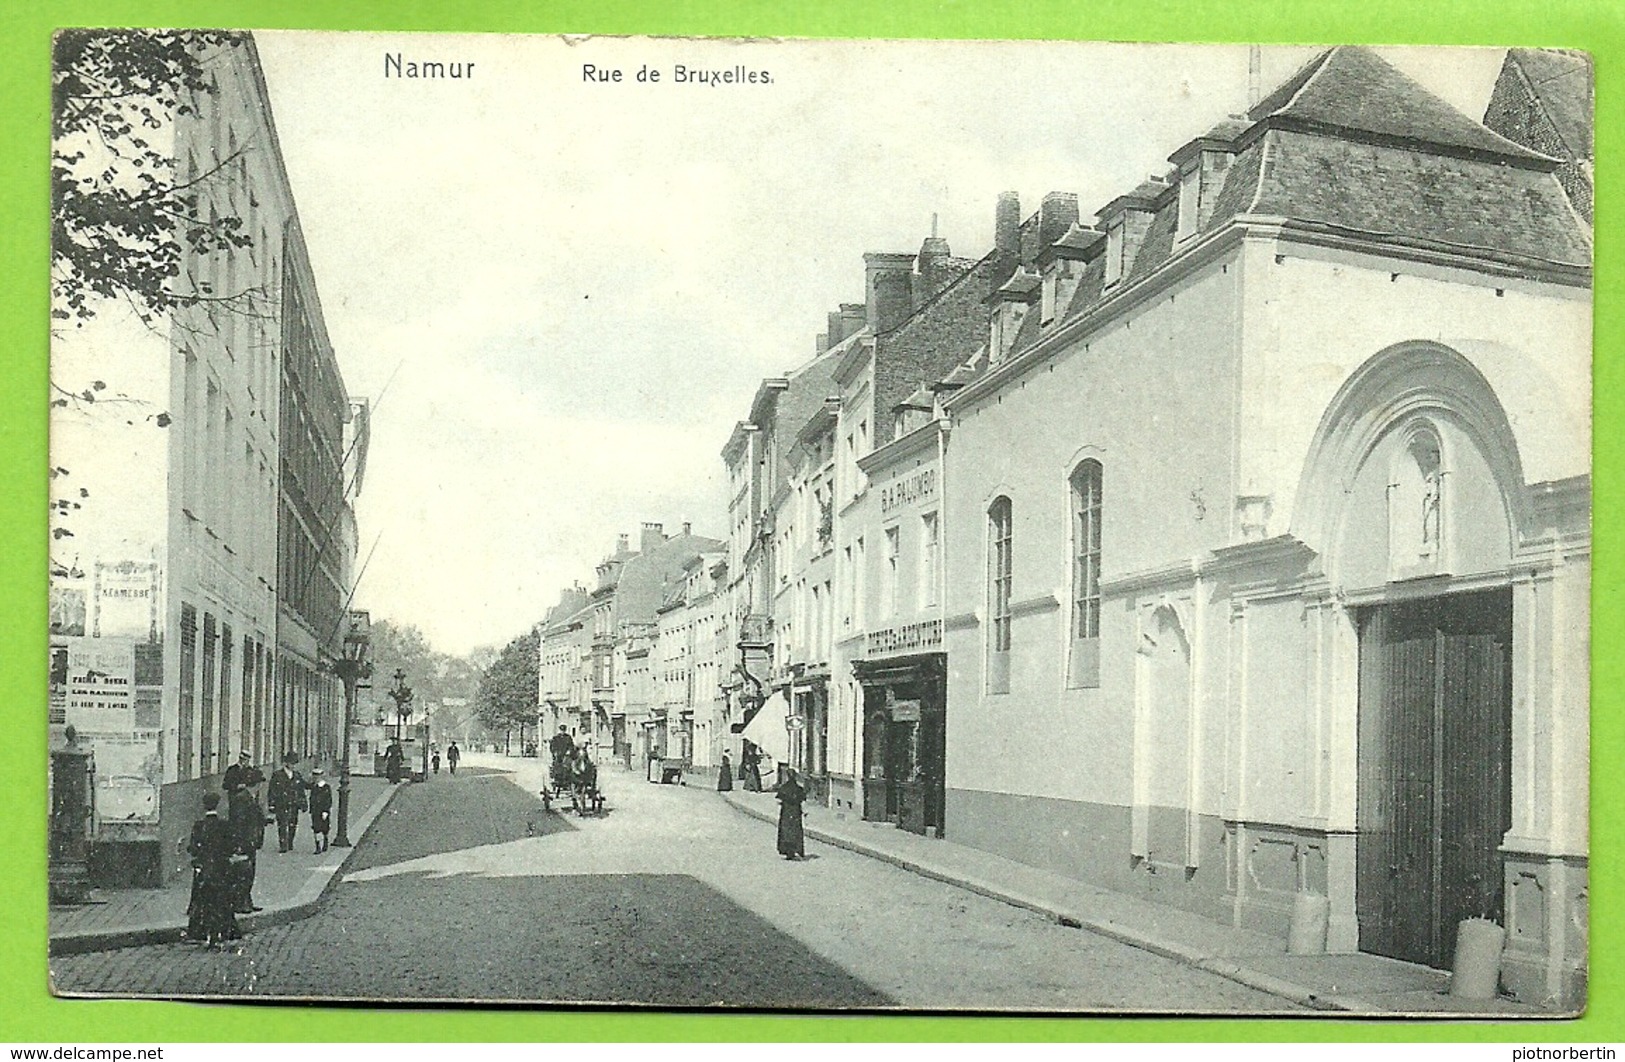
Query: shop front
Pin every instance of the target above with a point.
(904, 740)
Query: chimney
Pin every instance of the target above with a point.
(933, 262)
(888, 289)
(1006, 238)
(622, 543)
(688, 528)
(820, 343)
(854, 317)
(1057, 214)
(653, 536)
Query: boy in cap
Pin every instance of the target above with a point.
(321, 807)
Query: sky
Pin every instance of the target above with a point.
(561, 294)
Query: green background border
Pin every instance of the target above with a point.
(28, 1013)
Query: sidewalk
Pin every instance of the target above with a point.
(288, 887)
(1361, 984)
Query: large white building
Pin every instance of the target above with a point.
(1285, 587)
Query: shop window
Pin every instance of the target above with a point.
(1083, 659)
(1000, 528)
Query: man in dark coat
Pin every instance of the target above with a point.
(247, 824)
(321, 808)
(286, 798)
(453, 754)
(212, 919)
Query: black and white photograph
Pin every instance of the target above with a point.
(832, 526)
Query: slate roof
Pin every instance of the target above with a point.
(1353, 90)
(1561, 81)
(646, 576)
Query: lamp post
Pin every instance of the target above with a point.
(351, 670)
(401, 694)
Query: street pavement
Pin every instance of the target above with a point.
(467, 889)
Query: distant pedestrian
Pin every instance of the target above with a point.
(792, 842)
(453, 754)
(434, 760)
(286, 798)
(321, 808)
(393, 761)
(247, 824)
(211, 918)
(750, 768)
(725, 777)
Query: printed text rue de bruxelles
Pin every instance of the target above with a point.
(593, 74)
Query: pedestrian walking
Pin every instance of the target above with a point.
(725, 777)
(453, 754)
(211, 918)
(286, 799)
(434, 760)
(750, 768)
(247, 823)
(792, 841)
(321, 808)
(393, 760)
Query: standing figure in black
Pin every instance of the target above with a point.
(434, 760)
(792, 842)
(453, 754)
(725, 777)
(393, 760)
(321, 808)
(286, 797)
(247, 824)
(750, 768)
(562, 748)
(212, 918)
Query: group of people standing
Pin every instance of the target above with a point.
(790, 793)
(225, 848)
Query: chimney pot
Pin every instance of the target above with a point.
(889, 289)
(1007, 224)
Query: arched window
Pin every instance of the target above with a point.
(1083, 660)
(999, 568)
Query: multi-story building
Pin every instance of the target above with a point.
(1266, 520)
(175, 561)
(563, 646)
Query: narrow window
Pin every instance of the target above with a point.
(1114, 253)
(999, 577)
(188, 719)
(888, 586)
(930, 573)
(1085, 655)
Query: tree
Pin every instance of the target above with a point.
(433, 675)
(121, 217)
(122, 220)
(507, 695)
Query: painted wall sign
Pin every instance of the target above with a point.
(916, 487)
(910, 636)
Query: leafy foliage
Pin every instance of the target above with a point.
(121, 217)
(434, 676)
(507, 695)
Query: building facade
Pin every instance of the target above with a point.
(175, 558)
(1285, 590)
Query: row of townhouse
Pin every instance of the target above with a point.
(1230, 545)
(200, 595)
(603, 676)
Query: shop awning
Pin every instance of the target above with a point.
(767, 728)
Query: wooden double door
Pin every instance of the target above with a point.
(1435, 751)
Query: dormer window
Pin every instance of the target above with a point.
(1047, 299)
(1190, 201)
(1114, 252)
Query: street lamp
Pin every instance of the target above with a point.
(401, 694)
(351, 670)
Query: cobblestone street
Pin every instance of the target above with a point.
(467, 889)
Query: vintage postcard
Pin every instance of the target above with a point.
(820, 525)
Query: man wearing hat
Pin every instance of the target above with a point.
(286, 798)
(321, 807)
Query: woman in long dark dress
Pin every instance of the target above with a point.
(792, 842)
(750, 770)
(725, 777)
